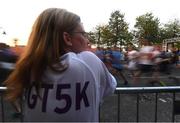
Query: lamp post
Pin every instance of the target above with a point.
(99, 36)
(15, 41)
(2, 32)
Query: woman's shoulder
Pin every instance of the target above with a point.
(87, 55)
(83, 53)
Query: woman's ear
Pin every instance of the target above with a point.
(67, 39)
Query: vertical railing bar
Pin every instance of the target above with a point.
(2, 108)
(173, 115)
(99, 113)
(137, 108)
(118, 107)
(22, 105)
(156, 97)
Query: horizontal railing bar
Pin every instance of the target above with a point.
(7, 66)
(138, 89)
(160, 77)
(127, 90)
(3, 89)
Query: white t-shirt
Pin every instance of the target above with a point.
(73, 95)
(146, 54)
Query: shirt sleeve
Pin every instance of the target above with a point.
(105, 80)
(108, 83)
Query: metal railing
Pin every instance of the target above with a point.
(156, 91)
(2, 89)
(131, 90)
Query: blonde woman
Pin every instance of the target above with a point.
(61, 81)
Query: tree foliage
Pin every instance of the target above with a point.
(172, 29)
(147, 27)
(119, 28)
(116, 31)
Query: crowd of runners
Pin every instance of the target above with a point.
(147, 59)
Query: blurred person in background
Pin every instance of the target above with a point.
(108, 58)
(8, 59)
(132, 65)
(145, 60)
(100, 53)
(117, 58)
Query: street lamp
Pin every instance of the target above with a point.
(15, 41)
(2, 31)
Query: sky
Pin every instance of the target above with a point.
(18, 16)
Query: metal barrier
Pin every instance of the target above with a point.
(132, 90)
(156, 90)
(2, 89)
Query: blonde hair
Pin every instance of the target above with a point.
(45, 46)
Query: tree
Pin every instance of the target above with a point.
(118, 28)
(103, 36)
(98, 33)
(95, 36)
(106, 36)
(172, 29)
(147, 27)
(92, 37)
(112, 34)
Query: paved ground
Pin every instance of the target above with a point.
(109, 109)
